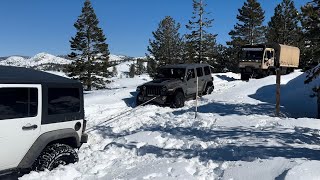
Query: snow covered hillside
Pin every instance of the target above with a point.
(40, 59)
(45, 61)
(235, 136)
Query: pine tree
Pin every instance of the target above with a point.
(311, 28)
(89, 51)
(196, 48)
(151, 66)
(132, 70)
(114, 71)
(249, 29)
(211, 53)
(283, 27)
(140, 69)
(166, 47)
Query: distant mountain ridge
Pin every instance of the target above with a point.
(6, 57)
(46, 61)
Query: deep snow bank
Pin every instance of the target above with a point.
(235, 135)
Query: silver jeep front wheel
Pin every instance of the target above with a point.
(178, 100)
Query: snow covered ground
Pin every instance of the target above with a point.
(235, 135)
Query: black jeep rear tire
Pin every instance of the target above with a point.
(53, 156)
(178, 100)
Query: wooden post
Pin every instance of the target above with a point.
(278, 84)
(197, 93)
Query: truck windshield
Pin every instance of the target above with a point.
(175, 73)
(251, 55)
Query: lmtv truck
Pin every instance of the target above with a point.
(257, 61)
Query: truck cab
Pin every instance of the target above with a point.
(258, 61)
(255, 61)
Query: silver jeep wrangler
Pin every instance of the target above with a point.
(173, 84)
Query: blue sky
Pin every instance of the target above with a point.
(30, 27)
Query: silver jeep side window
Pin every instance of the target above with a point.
(199, 72)
(18, 103)
(190, 74)
(207, 70)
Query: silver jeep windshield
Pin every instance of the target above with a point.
(171, 73)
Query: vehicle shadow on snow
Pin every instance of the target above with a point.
(131, 101)
(231, 151)
(224, 153)
(295, 98)
(226, 78)
(225, 109)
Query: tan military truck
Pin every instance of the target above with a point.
(257, 61)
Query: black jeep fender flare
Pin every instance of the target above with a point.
(45, 139)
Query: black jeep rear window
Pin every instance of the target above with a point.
(18, 103)
(63, 100)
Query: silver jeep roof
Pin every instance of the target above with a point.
(195, 65)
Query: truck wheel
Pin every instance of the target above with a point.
(245, 77)
(53, 156)
(208, 90)
(178, 100)
(264, 74)
(271, 72)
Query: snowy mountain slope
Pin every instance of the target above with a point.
(123, 68)
(235, 135)
(113, 57)
(41, 60)
(37, 60)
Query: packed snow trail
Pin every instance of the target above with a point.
(90, 129)
(234, 136)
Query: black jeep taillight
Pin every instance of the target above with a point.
(84, 125)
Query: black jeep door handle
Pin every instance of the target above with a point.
(29, 127)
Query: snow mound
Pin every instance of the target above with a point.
(308, 170)
(295, 95)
